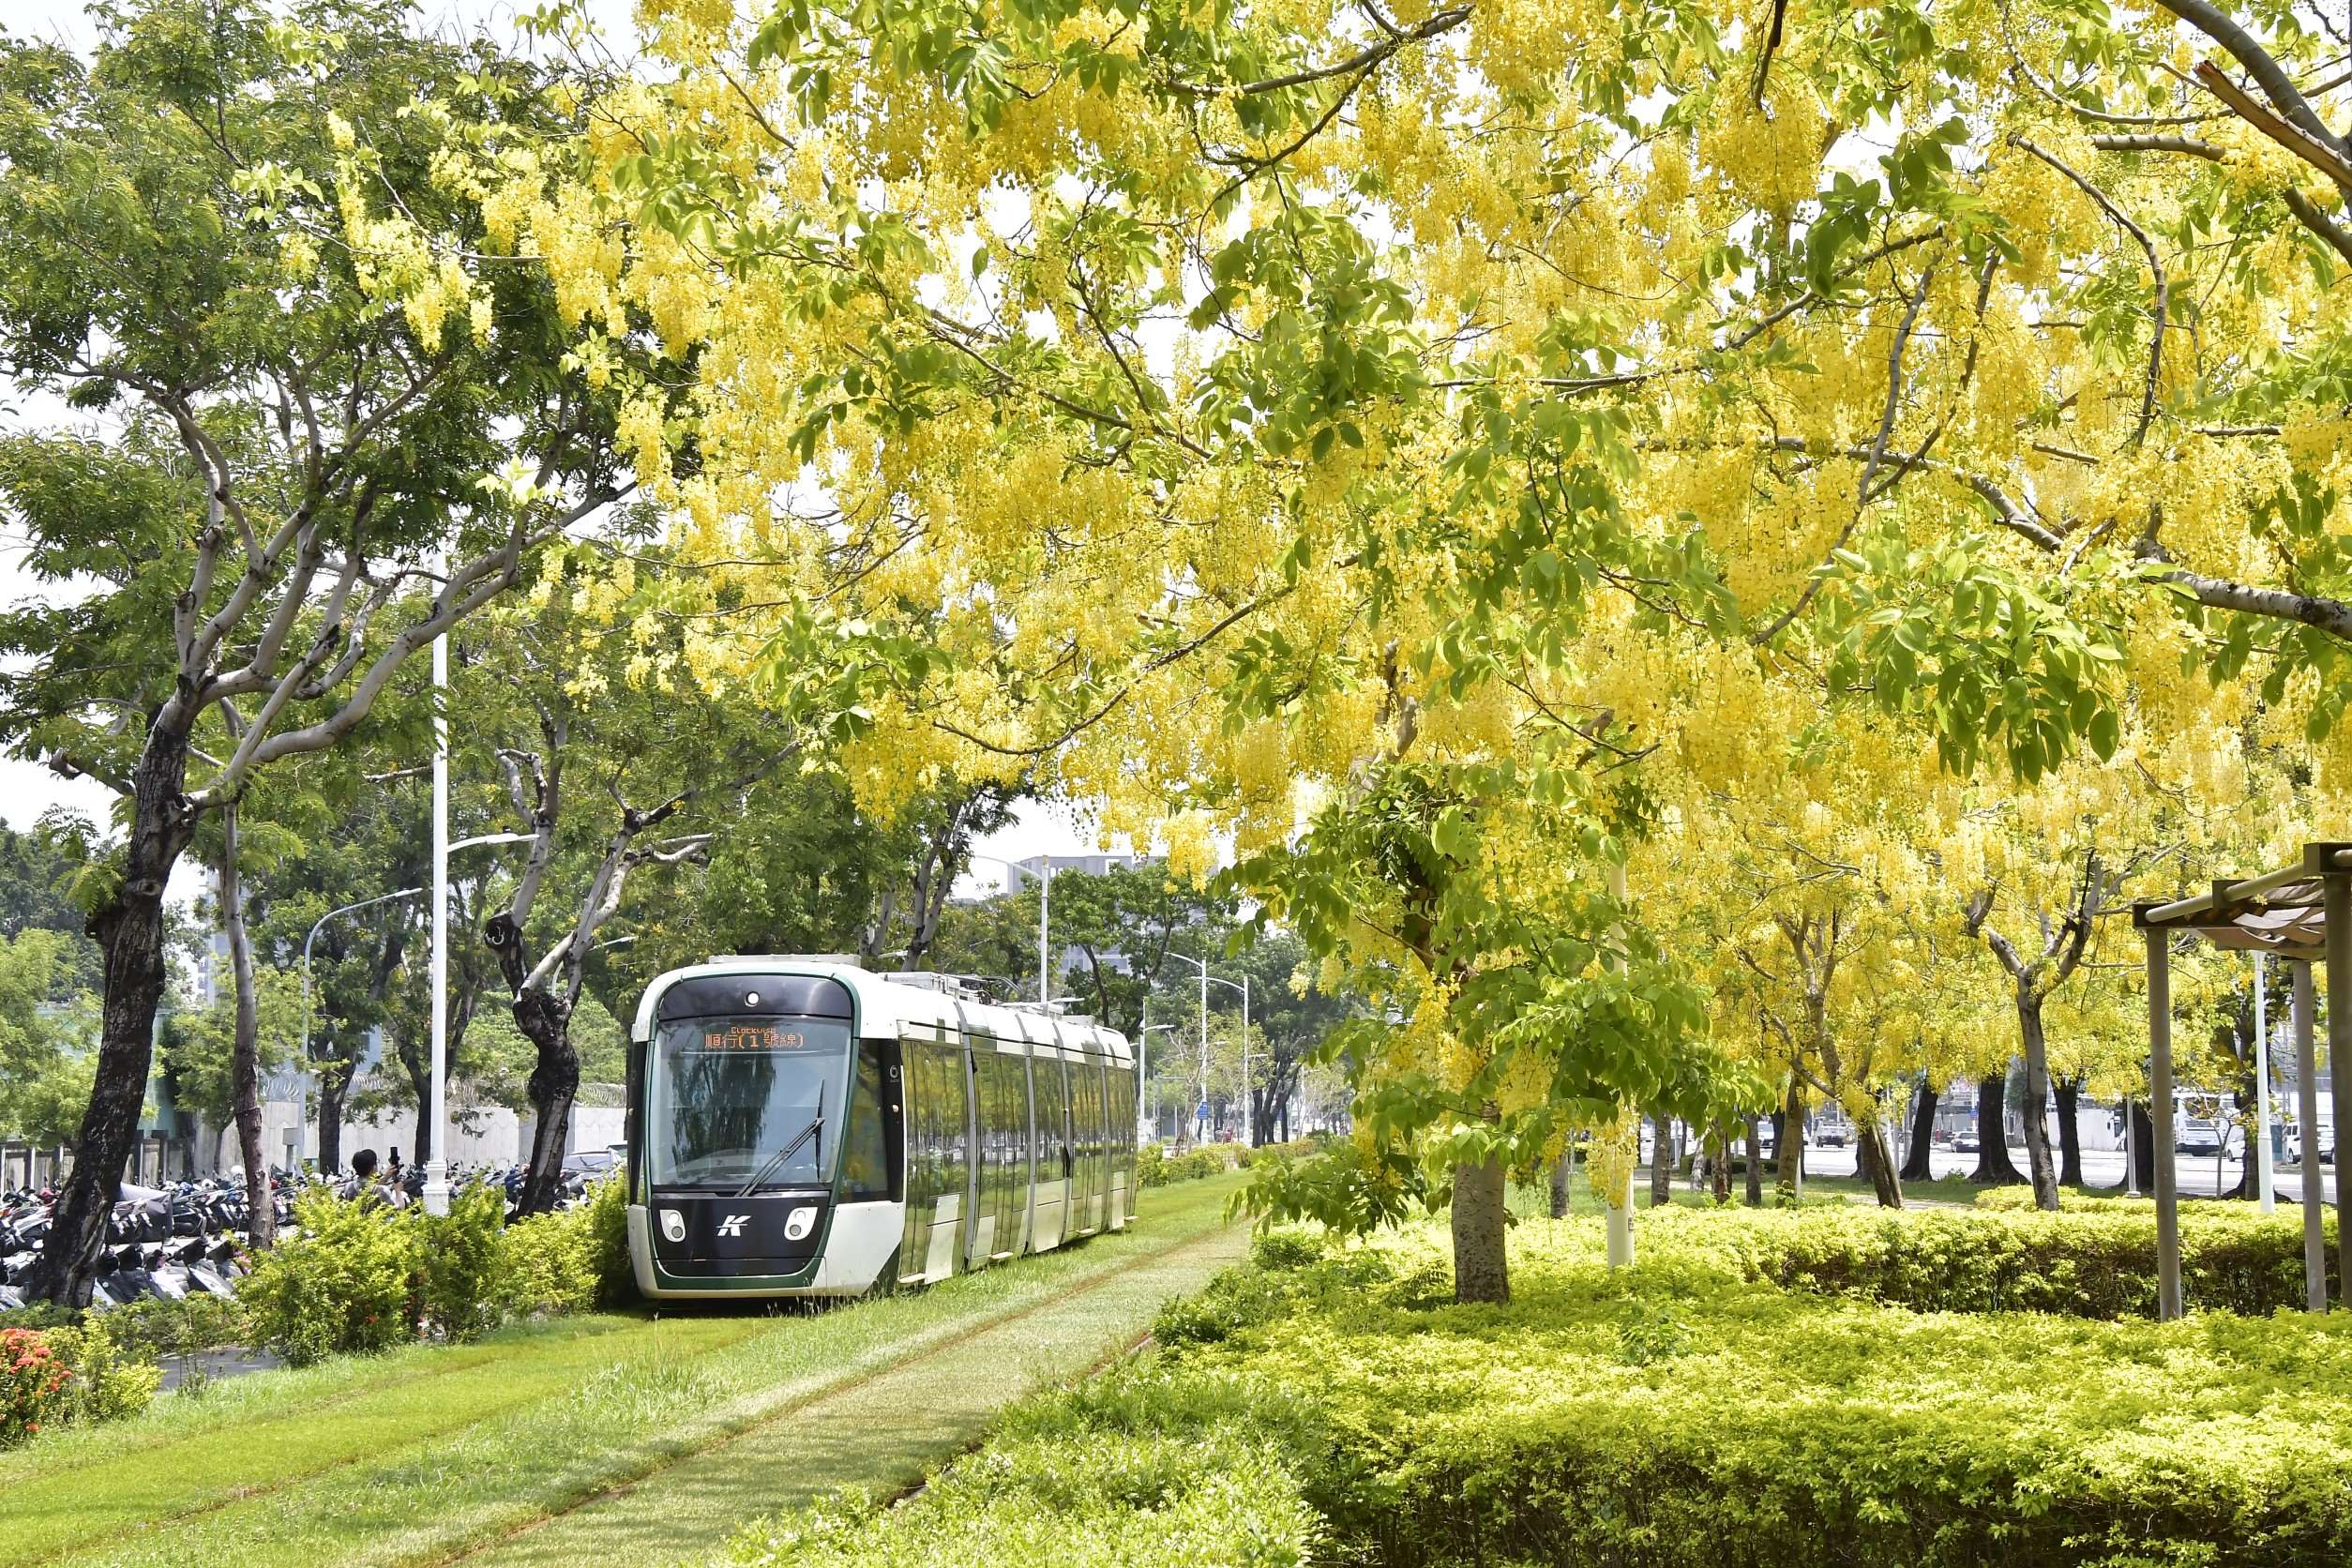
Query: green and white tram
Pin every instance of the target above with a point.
(802, 1128)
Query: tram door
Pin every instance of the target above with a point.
(1000, 1175)
(1119, 1134)
(1049, 1190)
(938, 1123)
(1086, 1113)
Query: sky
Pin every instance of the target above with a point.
(27, 787)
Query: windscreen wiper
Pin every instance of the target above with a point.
(815, 1129)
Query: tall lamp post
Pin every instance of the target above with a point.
(437, 1114)
(436, 1194)
(1142, 1078)
(2263, 1174)
(1242, 987)
(1045, 896)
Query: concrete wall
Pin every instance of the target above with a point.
(485, 1136)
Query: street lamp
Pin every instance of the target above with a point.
(436, 1195)
(440, 974)
(315, 926)
(1143, 1075)
(1206, 981)
(1045, 894)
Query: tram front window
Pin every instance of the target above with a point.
(748, 1101)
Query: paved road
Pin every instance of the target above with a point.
(2102, 1167)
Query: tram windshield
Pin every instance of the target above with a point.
(745, 1101)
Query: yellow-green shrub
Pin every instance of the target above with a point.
(111, 1379)
(573, 1261)
(2088, 1263)
(1677, 1415)
(1623, 1420)
(341, 1286)
(359, 1278)
(1156, 1167)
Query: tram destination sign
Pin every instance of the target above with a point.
(757, 1036)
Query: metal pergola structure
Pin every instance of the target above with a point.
(2302, 913)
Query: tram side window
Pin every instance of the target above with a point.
(955, 1123)
(1053, 1125)
(869, 1157)
(1013, 1099)
(942, 1087)
(1005, 1109)
(922, 1107)
(934, 1119)
(1088, 1114)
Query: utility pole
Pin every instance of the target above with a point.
(2262, 1091)
(1204, 1051)
(437, 1113)
(1045, 894)
(1246, 1141)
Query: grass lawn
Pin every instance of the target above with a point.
(429, 1453)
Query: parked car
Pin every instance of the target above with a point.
(1834, 1136)
(591, 1162)
(2293, 1148)
(2198, 1135)
(1964, 1143)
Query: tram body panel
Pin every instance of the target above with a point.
(801, 1127)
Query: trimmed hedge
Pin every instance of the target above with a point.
(1675, 1418)
(2091, 1262)
(2086, 1263)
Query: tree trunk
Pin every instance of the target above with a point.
(2036, 1119)
(2143, 1146)
(130, 932)
(1719, 1164)
(1662, 1164)
(1993, 1167)
(2249, 1186)
(1917, 1162)
(1482, 1272)
(546, 1021)
(1790, 1147)
(1562, 1169)
(2070, 1105)
(245, 1055)
(1755, 1166)
(1875, 1160)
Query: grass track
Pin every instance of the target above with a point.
(880, 1430)
(428, 1453)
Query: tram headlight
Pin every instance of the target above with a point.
(674, 1224)
(801, 1221)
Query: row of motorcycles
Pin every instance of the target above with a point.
(190, 1239)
